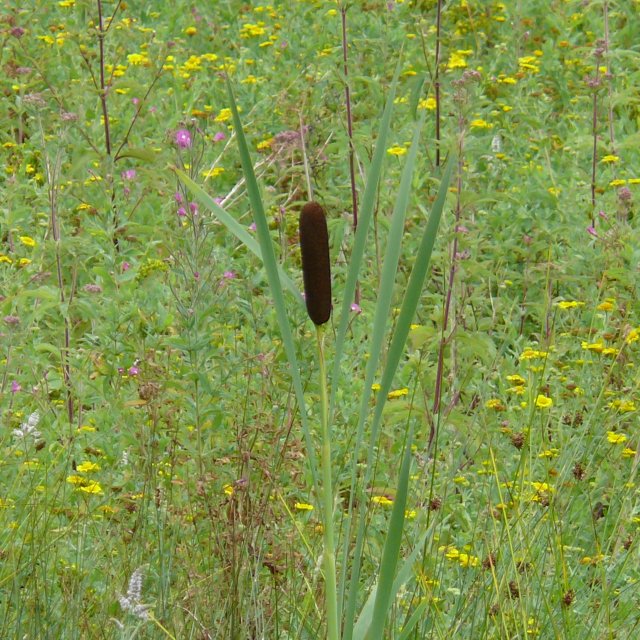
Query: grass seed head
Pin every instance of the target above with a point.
(316, 268)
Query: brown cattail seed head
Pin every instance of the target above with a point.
(316, 269)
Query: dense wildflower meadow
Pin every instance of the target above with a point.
(454, 453)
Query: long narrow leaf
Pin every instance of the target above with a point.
(271, 267)
(383, 305)
(391, 550)
(396, 349)
(405, 573)
(365, 216)
(410, 301)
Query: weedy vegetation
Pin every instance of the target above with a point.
(439, 439)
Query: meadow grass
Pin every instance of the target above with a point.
(161, 401)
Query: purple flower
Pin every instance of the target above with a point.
(592, 230)
(356, 308)
(135, 101)
(252, 226)
(183, 138)
(178, 197)
(129, 174)
(218, 137)
(218, 200)
(193, 207)
(11, 320)
(182, 212)
(126, 266)
(229, 275)
(133, 370)
(15, 387)
(92, 288)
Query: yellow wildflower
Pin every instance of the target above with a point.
(608, 305)
(609, 159)
(382, 500)
(479, 123)
(616, 438)
(456, 61)
(88, 467)
(516, 379)
(396, 150)
(428, 103)
(633, 336)
(532, 354)
(623, 406)
(223, 116)
(27, 241)
(543, 402)
(303, 506)
(91, 487)
(570, 304)
(398, 393)
(495, 404)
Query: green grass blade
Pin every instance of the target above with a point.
(416, 616)
(233, 226)
(271, 267)
(391, 550)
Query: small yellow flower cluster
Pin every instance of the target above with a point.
(397, 150)
(464, 559)
(532, 354)
(138, 60)
(616, 438)
(428, 103)
(529, 63)
(479, 123)
(250, 30)
(569, 304)
(593, 561)
(458, 59)
(495, 404)
(397, 393)
(83, 483)
(622, 406)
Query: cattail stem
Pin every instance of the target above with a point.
(328, 554)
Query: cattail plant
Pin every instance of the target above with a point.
(316, 274)
(350, 614)
(316, 271)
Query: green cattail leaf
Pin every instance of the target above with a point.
(316, 267)
(271, 267)
(396, 349)
(391, 550)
